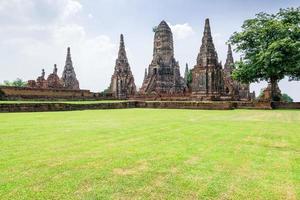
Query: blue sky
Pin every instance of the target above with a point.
(35, 34)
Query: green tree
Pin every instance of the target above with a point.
(287, 98)
(16, 83)
(270, 48)
(189, 78)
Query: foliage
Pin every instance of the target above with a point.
(16, 83)
(286, 98)
(190, 78)
(154, 29)
(270, 47)
(150, 154)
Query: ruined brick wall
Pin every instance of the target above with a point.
(41, 107)
(39, 93)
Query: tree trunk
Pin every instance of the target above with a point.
(274, 93)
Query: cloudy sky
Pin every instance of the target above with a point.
(36, 33)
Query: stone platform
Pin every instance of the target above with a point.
(46, 107)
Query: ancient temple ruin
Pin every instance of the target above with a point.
(69, 79)
(53, 81)
(122, 81)
(163, 75)
(235, 89)
(207, 80)
(207, 73)
(210, 81)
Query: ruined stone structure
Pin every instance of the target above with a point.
(162, 80)
(53, 81)
(163, 75)
(69, 79)
(122, 81)
(41, 81)
(267, 93)
(207, 74)
(238, 91)
(210, 80)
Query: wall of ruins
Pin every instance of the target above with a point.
(16, 93)
(42, 107)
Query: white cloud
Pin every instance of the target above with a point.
(16, 10)
(90, 16)
(71, 8)
(39, 46)
(181, 31)
(72, 33)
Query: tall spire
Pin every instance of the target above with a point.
(207, 31)
(229, 65)
(145, 76)
(122, 41)
(69, 76)
(122, 57)
(55, 69)
(122, 81)
(207, 55)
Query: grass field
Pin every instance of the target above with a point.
(150, 154)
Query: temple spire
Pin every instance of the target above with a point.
(207, 31)
(122, 41)
(122, 81)
(55, 69)
(122, 57)
(69, 76)
(43, 73)
(145, 76)
(229, 65)
(207, 55)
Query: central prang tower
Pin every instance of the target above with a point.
(163, 75)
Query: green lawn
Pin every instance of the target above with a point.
(150, 154)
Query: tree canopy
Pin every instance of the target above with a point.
(270, 47)
(17, 83)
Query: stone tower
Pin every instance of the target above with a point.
(229, 64)
(238, 91)
(122, 82)
(207, 73)
(231, 87)
(41, 81)
(163, 75)
(69, 79)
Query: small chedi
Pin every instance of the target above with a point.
(209, 80)
(53, 81)
(68, 80)
(267, 93)
(122, 83)
(163, 75)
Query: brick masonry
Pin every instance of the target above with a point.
(46, 107)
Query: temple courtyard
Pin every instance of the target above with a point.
(150, 154)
